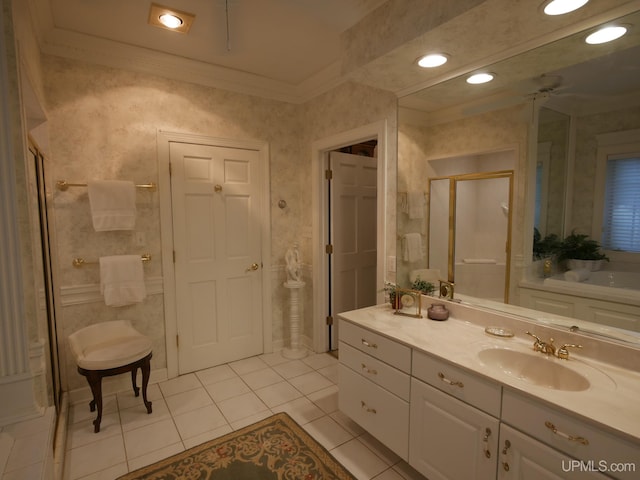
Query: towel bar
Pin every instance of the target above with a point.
(63, 185)
(81, 262)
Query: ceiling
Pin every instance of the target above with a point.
(566, 74)
(293, 50)
(273, 43)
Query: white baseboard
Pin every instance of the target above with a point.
(18, 401)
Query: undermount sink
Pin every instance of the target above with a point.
(536, 369)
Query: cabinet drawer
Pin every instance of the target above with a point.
(524, 457)
(573, 436)
(397, 382)
(379, 412)
(476, 391)
(377, 346)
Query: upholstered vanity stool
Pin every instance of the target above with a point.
(111, 348)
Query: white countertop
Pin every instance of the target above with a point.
(612, 401)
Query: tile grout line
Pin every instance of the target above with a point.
(269, 409)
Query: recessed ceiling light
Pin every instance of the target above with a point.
(433, 60)
(479, 78)
(170, 18)
(170, 21)
(560, 7)
(606, 34)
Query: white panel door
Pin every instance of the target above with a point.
(215, 193)
(353, 231)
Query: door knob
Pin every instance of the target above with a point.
(252, 267)
(217, 188)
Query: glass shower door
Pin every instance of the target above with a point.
(482, 236)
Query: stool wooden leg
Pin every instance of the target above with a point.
(134, 373)
(146, 370)
(95, 382)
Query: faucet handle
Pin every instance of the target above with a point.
(538, 344)
(564, 353)
(534, 336)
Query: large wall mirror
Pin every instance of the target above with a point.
(544, 120)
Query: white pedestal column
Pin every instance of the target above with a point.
(295, 349)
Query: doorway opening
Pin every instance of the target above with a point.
(360, 156)
(351, 225)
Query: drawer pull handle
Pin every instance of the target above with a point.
(369, 370)
(571, 438)
(370, 345)
(450, 382)
(367, 409)
(485, 440)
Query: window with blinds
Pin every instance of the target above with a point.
(621, 216)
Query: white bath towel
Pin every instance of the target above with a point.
(122, 280)
(577, 275)
(412, 251)
(113, 204)
(416, 203)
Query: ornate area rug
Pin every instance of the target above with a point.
(275, 448)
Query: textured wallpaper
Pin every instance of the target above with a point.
(499, 130)
(103, 124)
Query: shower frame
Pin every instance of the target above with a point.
(451, 244)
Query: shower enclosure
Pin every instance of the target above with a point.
(470, 232)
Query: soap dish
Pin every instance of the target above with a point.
(499, 331)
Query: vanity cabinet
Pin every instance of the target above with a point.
(572, 437)
(450, 423)
(522, 457)
(450, 438)
(374, 385)
(614, 313)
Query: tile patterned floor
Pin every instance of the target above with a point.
(197, 407)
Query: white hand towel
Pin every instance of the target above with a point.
(416, 203)
(577, 275)
(122, 280)
(113, 204)
(412, 247)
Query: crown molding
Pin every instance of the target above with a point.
(91, 49)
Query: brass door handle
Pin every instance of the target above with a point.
(217, 188)
(252, 267)
(485, 441)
